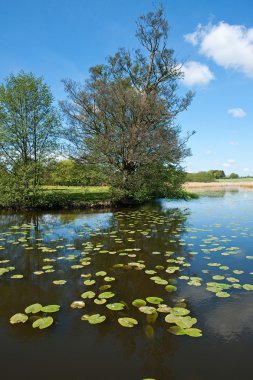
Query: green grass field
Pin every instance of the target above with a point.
(76, 196)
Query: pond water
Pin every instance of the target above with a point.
(193, 257)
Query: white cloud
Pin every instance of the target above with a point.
(246, 170)
(229, 163)
(196, 73)
(233, 143)
(230, 46)
(237, 112)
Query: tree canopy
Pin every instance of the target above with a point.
(29, 130)
(124, 115)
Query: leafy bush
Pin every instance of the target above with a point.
(200, 177)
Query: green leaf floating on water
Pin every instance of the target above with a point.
(100, 301)
(170, 288)
(3, 270)
(161, 281)
(154, 300)
(50, 308)
(59, 282)
(176, 330)
(77, 304)
(193, 332)
(139, 302)
(101, 273)
(180, 311)
(34, 308)
(147, 309)
(89, 282)
(115, 306)
(182, 322)
(222, 294)
(218, 277)
(88, 294)
(106, 295)
(96, 318)
(43, 323)
(17, 276)
(18, 318)
(247, 287)
(127, 322)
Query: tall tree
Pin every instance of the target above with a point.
(29, 126)
(124, 114)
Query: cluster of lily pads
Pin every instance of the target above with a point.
(41, 322)
(169, 268)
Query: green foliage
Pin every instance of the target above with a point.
(73, 173)
(234, 176)
(150, 181)
(200, 177)
(123, 116)
(121, 130)
(217, 174)
(29, 126)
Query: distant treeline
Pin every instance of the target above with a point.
(209, 176)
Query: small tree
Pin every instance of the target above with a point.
(124, 116)
(234, 176)
(29, 127)
(217, 174)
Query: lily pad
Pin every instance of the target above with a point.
(170, 288)
(222, 294)
(154, 300)
(88, 294)
(147, 309)
(77, 304)
(101, 273)
(96, 318)
(18, 318)
(17, 276)
(100, 301)
(127, 322)
(106, 295)
(50, 308)
(115, 306)
(43, 323)
(34, 308)
(247, 287)
(180, 311)
(139, 302)
(59, 282)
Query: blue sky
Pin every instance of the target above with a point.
(214, 39)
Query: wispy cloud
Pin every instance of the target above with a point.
(229, 163)
(230, 46)
(196, 73)
(237, 112)
(234, 143)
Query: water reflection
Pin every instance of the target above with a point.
(72, 348)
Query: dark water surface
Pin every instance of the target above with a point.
(216, 229)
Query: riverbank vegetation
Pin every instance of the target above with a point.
(117, 129)
(214, 175)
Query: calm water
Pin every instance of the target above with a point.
(216, 229)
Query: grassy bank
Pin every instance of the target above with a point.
(75, 197)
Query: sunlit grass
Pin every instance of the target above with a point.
(66, 195)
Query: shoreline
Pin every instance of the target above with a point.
(217, 185)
